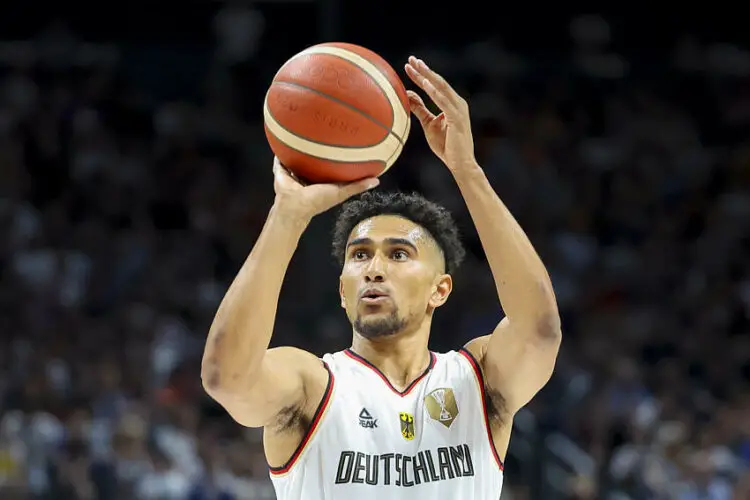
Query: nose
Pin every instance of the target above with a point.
(375, 271)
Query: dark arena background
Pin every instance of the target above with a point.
(135, 177)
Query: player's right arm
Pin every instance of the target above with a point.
(252, 382)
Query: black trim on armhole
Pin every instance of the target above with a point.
(325, 400)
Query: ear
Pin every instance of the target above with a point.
(441, 289)
(341, 293)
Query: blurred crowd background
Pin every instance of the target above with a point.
(135, 177)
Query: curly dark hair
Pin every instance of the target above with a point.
(436, 219)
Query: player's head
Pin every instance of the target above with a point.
(400, 247)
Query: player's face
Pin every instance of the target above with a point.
(393, 276)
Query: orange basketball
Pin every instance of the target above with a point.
(336, 112)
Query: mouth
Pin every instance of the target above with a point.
(373, 296)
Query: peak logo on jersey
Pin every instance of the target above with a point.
(366, 420)
(407, 425)
(441, 405)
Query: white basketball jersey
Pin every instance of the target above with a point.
(369, 441)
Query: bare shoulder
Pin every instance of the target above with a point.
(289, 382)
(308, 369)
(287, 355)
(477, 347)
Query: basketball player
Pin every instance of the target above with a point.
(387, 418)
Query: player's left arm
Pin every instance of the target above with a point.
(518, 358)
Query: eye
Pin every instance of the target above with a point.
(359, 255)
(399, 255)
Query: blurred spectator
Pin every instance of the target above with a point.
(123, 217)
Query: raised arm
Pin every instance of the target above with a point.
(518, 358)
(252, 382)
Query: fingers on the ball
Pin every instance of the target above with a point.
(369, 183)
(355, 188)
(421, 112)
(418, 70)
(442, 99)
(296, 178)
(425, 70)
(413, 74)
(364, 185)
(421, 71)
(285, 174)
(414, 98)
(278, 168)
(415, 102)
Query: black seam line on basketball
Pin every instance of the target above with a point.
(396, 151)
(343, 162)
(382, 90)
(322, 158)
(408, 112)
(348, 106)
(340, 146)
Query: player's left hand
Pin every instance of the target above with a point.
(449, 133)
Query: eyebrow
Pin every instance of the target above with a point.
(389, 241)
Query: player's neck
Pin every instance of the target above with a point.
(401, 358)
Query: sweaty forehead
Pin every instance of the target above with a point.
(381, 227)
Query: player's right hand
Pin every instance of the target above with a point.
(307, 201)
